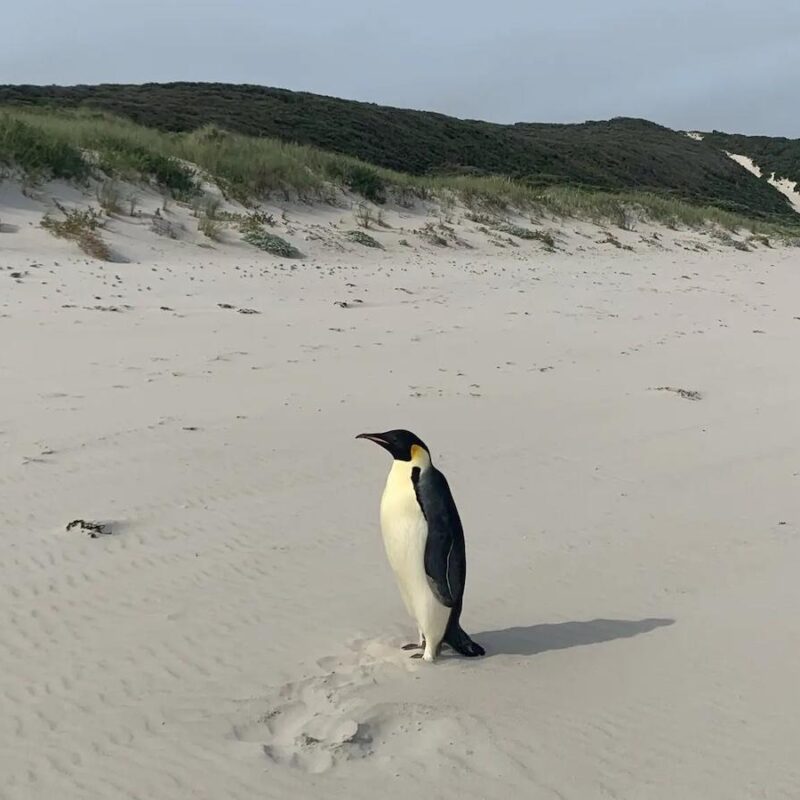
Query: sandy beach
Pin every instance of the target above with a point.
(618, 426)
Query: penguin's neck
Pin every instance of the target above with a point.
(400, 473)
(420, 458)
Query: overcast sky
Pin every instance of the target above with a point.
(733, 65)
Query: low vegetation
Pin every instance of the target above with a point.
(271, 243)
(207, 210)
(359, 237)
(210, 228)
(109, 196)
(433, 234)
(252, 222)
(365, 216)
(772, 153)
(80, 227)
(80, 143)
(363, 141)
(38, 153)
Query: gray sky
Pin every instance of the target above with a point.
(731, 64)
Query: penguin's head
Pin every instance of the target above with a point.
(401, 444)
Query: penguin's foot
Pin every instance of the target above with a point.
(461, 643)
(416, 655)
(472, 649)
(413, 646)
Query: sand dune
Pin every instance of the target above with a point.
(783, 185)
(632, 553)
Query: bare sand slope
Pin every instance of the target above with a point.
(633, 552)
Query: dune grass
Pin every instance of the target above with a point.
(38, 152)
(74, 144)
(616, 155)
(80, 227)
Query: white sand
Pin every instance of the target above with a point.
(633, 554)
(783, 185)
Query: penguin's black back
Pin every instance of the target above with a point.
(445, 552)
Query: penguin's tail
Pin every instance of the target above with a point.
(460, 641)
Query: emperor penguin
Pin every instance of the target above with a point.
(424, 543)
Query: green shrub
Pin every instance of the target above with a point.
(482, 219)
(80, 227)
(359, 237)
(37, 153)
(120, 156)
(253, 221)
(272, 244)
(518, 231)
(364, 180)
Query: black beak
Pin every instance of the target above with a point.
(374, 437)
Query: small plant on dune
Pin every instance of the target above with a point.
(482, 219)
(362, 179)
(359, 237)
(207, 206)
(429, 233)
(209, 227)
(364, 215)
(133, 202)
(271, 243)
(80, 227)
(546, 238)
(629, 218)
(404, 196)
(109, 197)
(163, 227)
(447, 204)
(518, 231)
(253, 222)
(207, 211)
(759, 239)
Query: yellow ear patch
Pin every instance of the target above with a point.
(416, 451)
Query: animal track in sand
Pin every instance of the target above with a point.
(319, 723)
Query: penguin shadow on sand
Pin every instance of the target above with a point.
(531, 640)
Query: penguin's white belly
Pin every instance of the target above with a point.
(405, 532)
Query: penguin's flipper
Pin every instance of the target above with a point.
(445, 565)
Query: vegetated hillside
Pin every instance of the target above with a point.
(620, 154)
(771, 153)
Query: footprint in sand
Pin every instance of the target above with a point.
(323, 722)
